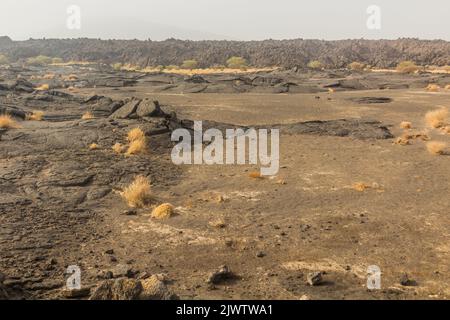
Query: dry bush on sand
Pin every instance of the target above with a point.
(447, 87)
(356, 66)
(255, 175)
(317, 65)
(135, 134)
(138, 193)
(35, 116)
(433, 87)
(360, 186)
(7, 122)
(236, 63)
(87, 116)
(436, 147)
(164, 211)
(43, 87)
(406, 125)
(137, 147)
(437, 118)
(119, 148)
(407, 67)
(93, 146)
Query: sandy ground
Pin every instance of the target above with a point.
(273, 233)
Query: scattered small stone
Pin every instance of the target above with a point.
(222, 274)
(122, 270)
(131, 212)
(260, 254)
(406, 281)
(109, 251)
(314, 278)
(304, 227)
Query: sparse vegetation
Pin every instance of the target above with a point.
(7, 122)
(138, 193)
(236, 63)
(87, 116)
(433, 87)
(57, 60)
(137, 147)
(43, 87)
(437, 118)
(93, 146)
(135, 134)
(189, 64)
(407, 67)
(164, 211)
(436, 147)
(35, 116)
(360, 186)
(316, 65)
(119, 148)
(406, 125)
(255, 175)
(39, 61)
(117, 66)
(356, 66)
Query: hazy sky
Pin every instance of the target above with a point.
(225, 19)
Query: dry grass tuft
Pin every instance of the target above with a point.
(137, 147)
(405, 125)
(87, 116)
(135, 134)
(436, 147)
(119, 148)
(433, 87)
(357, 66)
(360, 186)
(255, 175)
(7, 122)
(437, 118)
(35, 116)
(446, 129)
(447, 87)
(49, 76)
(93, 146)
(407, 67)
(138, 193)
(164, 211)
(43, 87)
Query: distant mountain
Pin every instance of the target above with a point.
(283, 53)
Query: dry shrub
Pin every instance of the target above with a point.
(7, 122)
(236, 63)
(35, 116)
(433, 87)
(135, 134)
(403, 141)
(315, 65)
(87, 116)
(137, 147)
(437, 118)
(436, 147)
(93, 146)
(138, 193)
(447, 87)
(406, 125)
(357, 66)
(119, 148)
(43, 87)
(189, 64)
(331, 90)
(407, 67)
(164, 211)
(360, 186)
(255, 175)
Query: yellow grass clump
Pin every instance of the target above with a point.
(357, 66)
(43, 87)
(360, 186)
(7, 122)
(35, 116)
(119, 148)
(137, 147)
(433, 87)
(163, 211)
(447, 87)
(87, 116)
(135, 134)
(255, 175)
(93, 146)
(436, 147)
(138, 193)
(406, 125)
(437, 118)
(407, 67)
